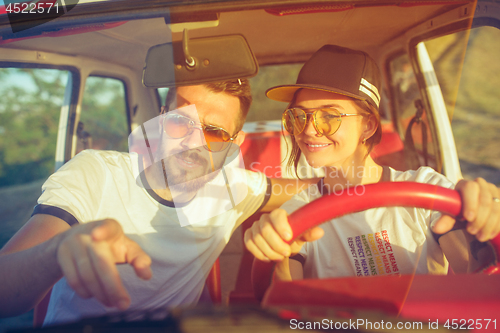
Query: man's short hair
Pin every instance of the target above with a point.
(238, 88)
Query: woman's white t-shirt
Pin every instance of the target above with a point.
(379, 241)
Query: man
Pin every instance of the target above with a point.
(107, 208)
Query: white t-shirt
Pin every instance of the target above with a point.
(100, 184)
(379, 241)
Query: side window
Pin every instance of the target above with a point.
(103, 118)
(29, 119)
(404, 88)
(263, 108)
(162, 95)
(471, 97)
(411, 117)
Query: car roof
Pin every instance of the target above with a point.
(277, 31)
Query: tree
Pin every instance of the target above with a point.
(29, 115)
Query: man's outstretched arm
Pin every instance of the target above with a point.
(29, 264)
(46, 249)
(283, 189)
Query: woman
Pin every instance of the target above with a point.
(334, 122)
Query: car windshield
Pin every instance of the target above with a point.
(75, 81)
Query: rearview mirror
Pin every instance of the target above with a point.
(215, 59)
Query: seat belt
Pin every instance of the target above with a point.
(410, 150)
(84, 136)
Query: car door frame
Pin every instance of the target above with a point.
(79, 69)
(483, 13)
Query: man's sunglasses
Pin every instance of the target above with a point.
(177, 126)
(326, 121)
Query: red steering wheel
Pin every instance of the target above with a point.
(388, 194)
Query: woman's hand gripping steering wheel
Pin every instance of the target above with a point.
(407, 194)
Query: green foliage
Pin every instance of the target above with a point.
(269, 76)
(29, 115)
(471, 92)
(477, 115)
(29, 120)
(481, 73)
(104, 113)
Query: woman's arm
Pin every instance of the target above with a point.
(480, 208)
(283, 189)
(482, 213)
(289, 269)
(456, 246)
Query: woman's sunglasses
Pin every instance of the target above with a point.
(177, 126)
(326, 121)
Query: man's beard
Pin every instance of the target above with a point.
(182, 180)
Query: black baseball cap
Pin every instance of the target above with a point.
(336, 69)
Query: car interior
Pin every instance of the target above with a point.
(95, 74)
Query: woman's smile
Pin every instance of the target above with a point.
(316, 146)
